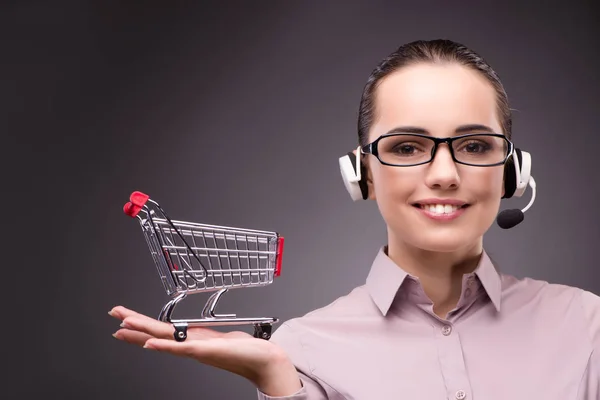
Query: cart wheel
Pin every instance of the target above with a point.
(262, 331)
(180, 333)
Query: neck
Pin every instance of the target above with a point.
(440, 273)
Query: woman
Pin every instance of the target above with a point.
(435, 320)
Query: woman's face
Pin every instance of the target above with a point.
(438, 99)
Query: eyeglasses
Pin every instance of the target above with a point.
(405, 150)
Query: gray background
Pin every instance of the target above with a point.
(235, 113)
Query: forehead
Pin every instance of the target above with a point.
(436, 97)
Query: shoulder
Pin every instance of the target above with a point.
(356, 303)
(556, 300)
(322, 321)
(530, 289)
(590, 303)
(322, 325)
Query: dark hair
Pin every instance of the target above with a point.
(432, 51)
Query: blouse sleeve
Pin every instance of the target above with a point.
(288, 339)
(590, 383)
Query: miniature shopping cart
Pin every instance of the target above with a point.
(197, 258)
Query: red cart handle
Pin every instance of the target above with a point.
(280, 242)
(136, 202)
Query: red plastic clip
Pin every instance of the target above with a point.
(136, 202)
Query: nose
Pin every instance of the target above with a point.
(442, 172)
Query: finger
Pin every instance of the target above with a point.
(149, 326)
(133, 337)
(201, 350)
(120, 312)
(170, 346)
(165, 330)
(197, 332)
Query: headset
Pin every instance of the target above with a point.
(517, 176)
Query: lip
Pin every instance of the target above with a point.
(452, 202)
(442, 217)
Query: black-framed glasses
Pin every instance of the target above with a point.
(405, 150)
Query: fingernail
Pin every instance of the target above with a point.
(115, 336)
(124, 325)
(111, 313)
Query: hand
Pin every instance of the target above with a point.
(258, 360)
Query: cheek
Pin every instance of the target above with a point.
(395, 185)
(486, 183)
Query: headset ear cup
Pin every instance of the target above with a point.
(362, 183)
(356, 188)
(524, 176)
(511, 173)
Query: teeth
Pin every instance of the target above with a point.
(440, 208)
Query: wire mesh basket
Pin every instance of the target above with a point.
(197, 258)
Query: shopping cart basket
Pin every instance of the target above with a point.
(197, 258)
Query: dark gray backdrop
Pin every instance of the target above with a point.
(235, 113)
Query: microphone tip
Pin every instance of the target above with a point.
(510, 218)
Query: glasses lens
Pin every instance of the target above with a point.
(405, 149)
(480, 149)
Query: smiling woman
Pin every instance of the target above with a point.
(435, 319)
(440, 99)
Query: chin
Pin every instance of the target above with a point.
(444, 235)
(440, 239)
(440, 243)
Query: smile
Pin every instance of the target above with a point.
(441, 211)
(440, 208)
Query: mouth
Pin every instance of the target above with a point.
(441, 208)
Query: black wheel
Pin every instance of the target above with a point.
(262, 331)
(180, 333)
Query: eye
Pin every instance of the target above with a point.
(475, 146)
(404, 149)
(395, 147)
(407, 149)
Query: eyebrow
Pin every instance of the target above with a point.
(461, 129)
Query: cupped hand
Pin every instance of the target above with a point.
(258, 360)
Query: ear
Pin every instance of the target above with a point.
(367, 176)
(370, 183)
